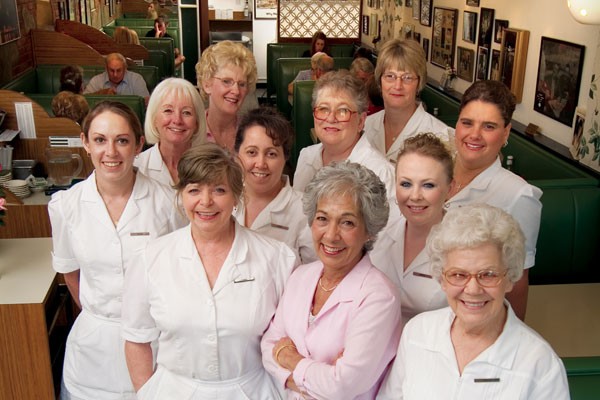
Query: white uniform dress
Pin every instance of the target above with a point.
(501, 188)
(283, 219)
(310, 161)
(520, 365)
(419, 291)
(421, 121)
(85, 239)
(151, 164)
(208, 339)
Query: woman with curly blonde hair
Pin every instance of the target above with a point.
(226, 74)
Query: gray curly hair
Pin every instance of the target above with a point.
(365, 188)
(475, 225)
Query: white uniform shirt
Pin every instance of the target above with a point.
(310, 161)
(419, 291)
(283, 219)
(421, 121)
(151, 164)
(203, 333)
(85, 238)
(501, 188)
(520, 365)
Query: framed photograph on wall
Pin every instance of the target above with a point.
(495, 68)
(416, 9)
(265, 9)
(513, 58)
(426, 12)
(473, 3)
(365, 25)
(499, 27)
(408, 3)
(558, 79)
(469, 26)
(10, 22)
(426, 48)
(443, 36)
(464, 64)
(483, 59)
(577, 134)
(486, 28)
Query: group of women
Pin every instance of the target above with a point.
(203, 273)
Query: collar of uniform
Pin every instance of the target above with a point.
(155, 161)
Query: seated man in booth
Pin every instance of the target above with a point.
(160, 31)
(320, 63)
(117, 79)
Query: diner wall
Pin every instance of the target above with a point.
(540, 17)
(16, 57)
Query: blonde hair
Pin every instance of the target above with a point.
(221, 55)
(406, 55)
(179, 88)
(122, 34)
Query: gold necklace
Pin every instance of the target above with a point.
(322, 287)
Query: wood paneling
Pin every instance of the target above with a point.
(100, 41)
(55, 47)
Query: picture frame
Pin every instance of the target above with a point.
(558, 79)
(416, 36)
(443, 36)
(513, 59)
(483, 60)
(469, 26)
(11, 30)
(486, 27)
(575, 146)
(373, 27)
(473, 3)
(426, 48)
(495, 65)
(465, 59)
(408, 3)
(426, 12)
(407, 31)
(266, 9)
(365, 25)
(416, 10)
(499, 26)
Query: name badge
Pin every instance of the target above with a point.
(139, 234)
(285, 228)
(421, 275)
(242, 280)
(486, 380)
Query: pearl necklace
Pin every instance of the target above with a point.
(326, 290)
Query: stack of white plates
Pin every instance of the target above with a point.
(18, 187)
(5, 177)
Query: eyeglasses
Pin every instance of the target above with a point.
(486, 278)
(407, 79)
(342, 114)
(228, 83)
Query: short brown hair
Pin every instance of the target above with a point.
(277, 127)
(492, 92)
(118, 108)
(429, 145)
(70, 105)
(207, 164)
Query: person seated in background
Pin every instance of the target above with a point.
(317, 45)
(477, 348)
(71, 79)
(117, 79)
(123, 34)
(364, 70)
(160, 31)
(70, 105)
(320, 63)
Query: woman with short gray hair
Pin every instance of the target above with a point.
(337, 325)
(477, 348)
(339, 103)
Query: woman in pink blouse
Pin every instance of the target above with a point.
(337, 325)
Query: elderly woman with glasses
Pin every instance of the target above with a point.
(339, 103)
(477, 348)
(337, 325)
(226, 74)
(401, 72)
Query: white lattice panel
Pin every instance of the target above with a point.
(337, 19)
